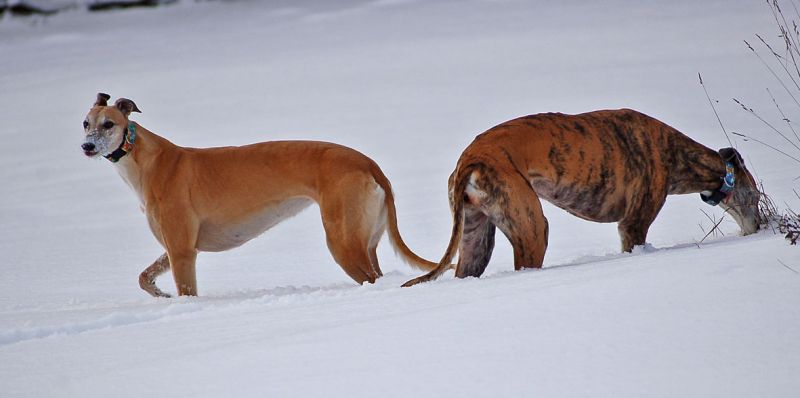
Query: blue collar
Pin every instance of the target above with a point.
(128, 139)
(722, 193)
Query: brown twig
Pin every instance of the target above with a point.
(715, 110)
(788, 267)
(747, 137)
(714, 228)
(752, 112)
(771, 71)
(785, 119)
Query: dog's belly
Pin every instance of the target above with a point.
(598, 205)
(215, 237)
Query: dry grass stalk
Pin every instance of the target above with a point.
(787, 74)
(786, 223)
(714, 227)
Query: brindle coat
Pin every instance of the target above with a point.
(603, 166)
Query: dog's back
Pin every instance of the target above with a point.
(588, 164)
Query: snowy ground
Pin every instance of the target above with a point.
(409, 84)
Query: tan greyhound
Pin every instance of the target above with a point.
(215, 199)
(604, 166)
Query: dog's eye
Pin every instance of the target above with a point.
(108, 124)
(85, 125)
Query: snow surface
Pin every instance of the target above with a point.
(409, 84)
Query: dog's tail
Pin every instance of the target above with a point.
(460, 182)
(396, 240)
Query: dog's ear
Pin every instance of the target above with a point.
(102, 99)
(126, 106)
(731, 155)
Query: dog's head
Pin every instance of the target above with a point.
(742, 202)
(105, 126)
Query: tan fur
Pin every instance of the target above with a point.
(216, 199)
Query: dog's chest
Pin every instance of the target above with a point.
(220, 236)
(132, 177)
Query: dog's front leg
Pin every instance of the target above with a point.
(147, 279)
(640, 215)
(180, 239)
(183, 271)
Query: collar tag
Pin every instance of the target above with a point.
(722, 193)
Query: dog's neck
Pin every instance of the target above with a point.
(693, 168)
(128, 140)
(145, 160)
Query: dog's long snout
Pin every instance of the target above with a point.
(87, 146)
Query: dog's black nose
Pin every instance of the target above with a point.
(87, 146)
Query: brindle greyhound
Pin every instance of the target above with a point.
(603, 166)
(215, 199)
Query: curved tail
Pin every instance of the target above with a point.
(395, 239)
(460, 182)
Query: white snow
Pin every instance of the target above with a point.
(409, 83)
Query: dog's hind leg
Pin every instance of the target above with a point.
(350, 217)
(373, 257)
(147, 279)
(351, 252)
(378, 222)
(476, 245)
(515, 209)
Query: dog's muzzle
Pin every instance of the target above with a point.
(714, 198)
(95, 143)
(89, 149)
